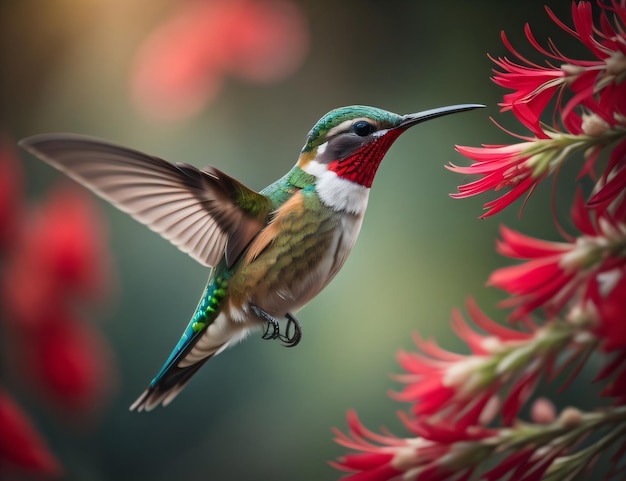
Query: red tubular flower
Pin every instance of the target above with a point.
(67, 241)
(386, 457)
(611, 189)
(605, 298)
(375, 460)
(461, 391)
(540, 282)
(521, 167)
(180, 67)
(524, 452)
(501, 166)
(21, 446)
(534, 85)
(465, 408)
(525, 465)
(556, 272)
(595, 87)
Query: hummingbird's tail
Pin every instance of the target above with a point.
(164, 392)
(191, 352)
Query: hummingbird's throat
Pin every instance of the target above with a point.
(362, 164)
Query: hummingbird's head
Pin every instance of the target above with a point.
(350, 142)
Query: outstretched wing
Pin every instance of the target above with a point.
(205, 213)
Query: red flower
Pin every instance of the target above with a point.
(67, 242)
(60, 261)
(605, 301)
(61, 255)
(524, 452)
(21, 446)
(462, 391)
(534, 85)
(501, 167)
(521, 167)
(394, 457)
(579, 284)
(610, 191)
(57, 260)
(180, 67)
(27, 296)
(69, 362)
(595, 87)
(375, 460)
(10, 191)
(557, 272)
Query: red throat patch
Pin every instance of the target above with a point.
(361, 165)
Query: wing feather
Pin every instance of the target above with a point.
(205, 213)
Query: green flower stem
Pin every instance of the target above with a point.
(565, 432)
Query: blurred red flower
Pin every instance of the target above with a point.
(66, 239)
(69, 362)
(605, 298)
(21, 446)
(180, 67)
(60, 261)
(434, 456)
(10, 194)
(56, 263)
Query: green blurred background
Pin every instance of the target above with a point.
(260, 411)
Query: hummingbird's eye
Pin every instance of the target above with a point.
(362, 128)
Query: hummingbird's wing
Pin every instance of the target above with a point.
(205, 213)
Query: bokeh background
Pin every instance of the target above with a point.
(260, 411)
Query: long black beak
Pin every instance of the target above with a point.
(419, 117)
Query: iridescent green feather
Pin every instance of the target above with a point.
(207, 310)
(317, 135)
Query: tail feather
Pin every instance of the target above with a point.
(168, 387)
(191, 352)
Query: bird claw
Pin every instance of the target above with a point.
(293, 332)
(272, 330)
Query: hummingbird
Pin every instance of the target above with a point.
(270, 252)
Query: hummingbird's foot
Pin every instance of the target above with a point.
(272, 328)
(290, 340)
(292, 335)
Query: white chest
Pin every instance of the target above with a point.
(337, 193)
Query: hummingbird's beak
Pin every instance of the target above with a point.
(411, 119)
